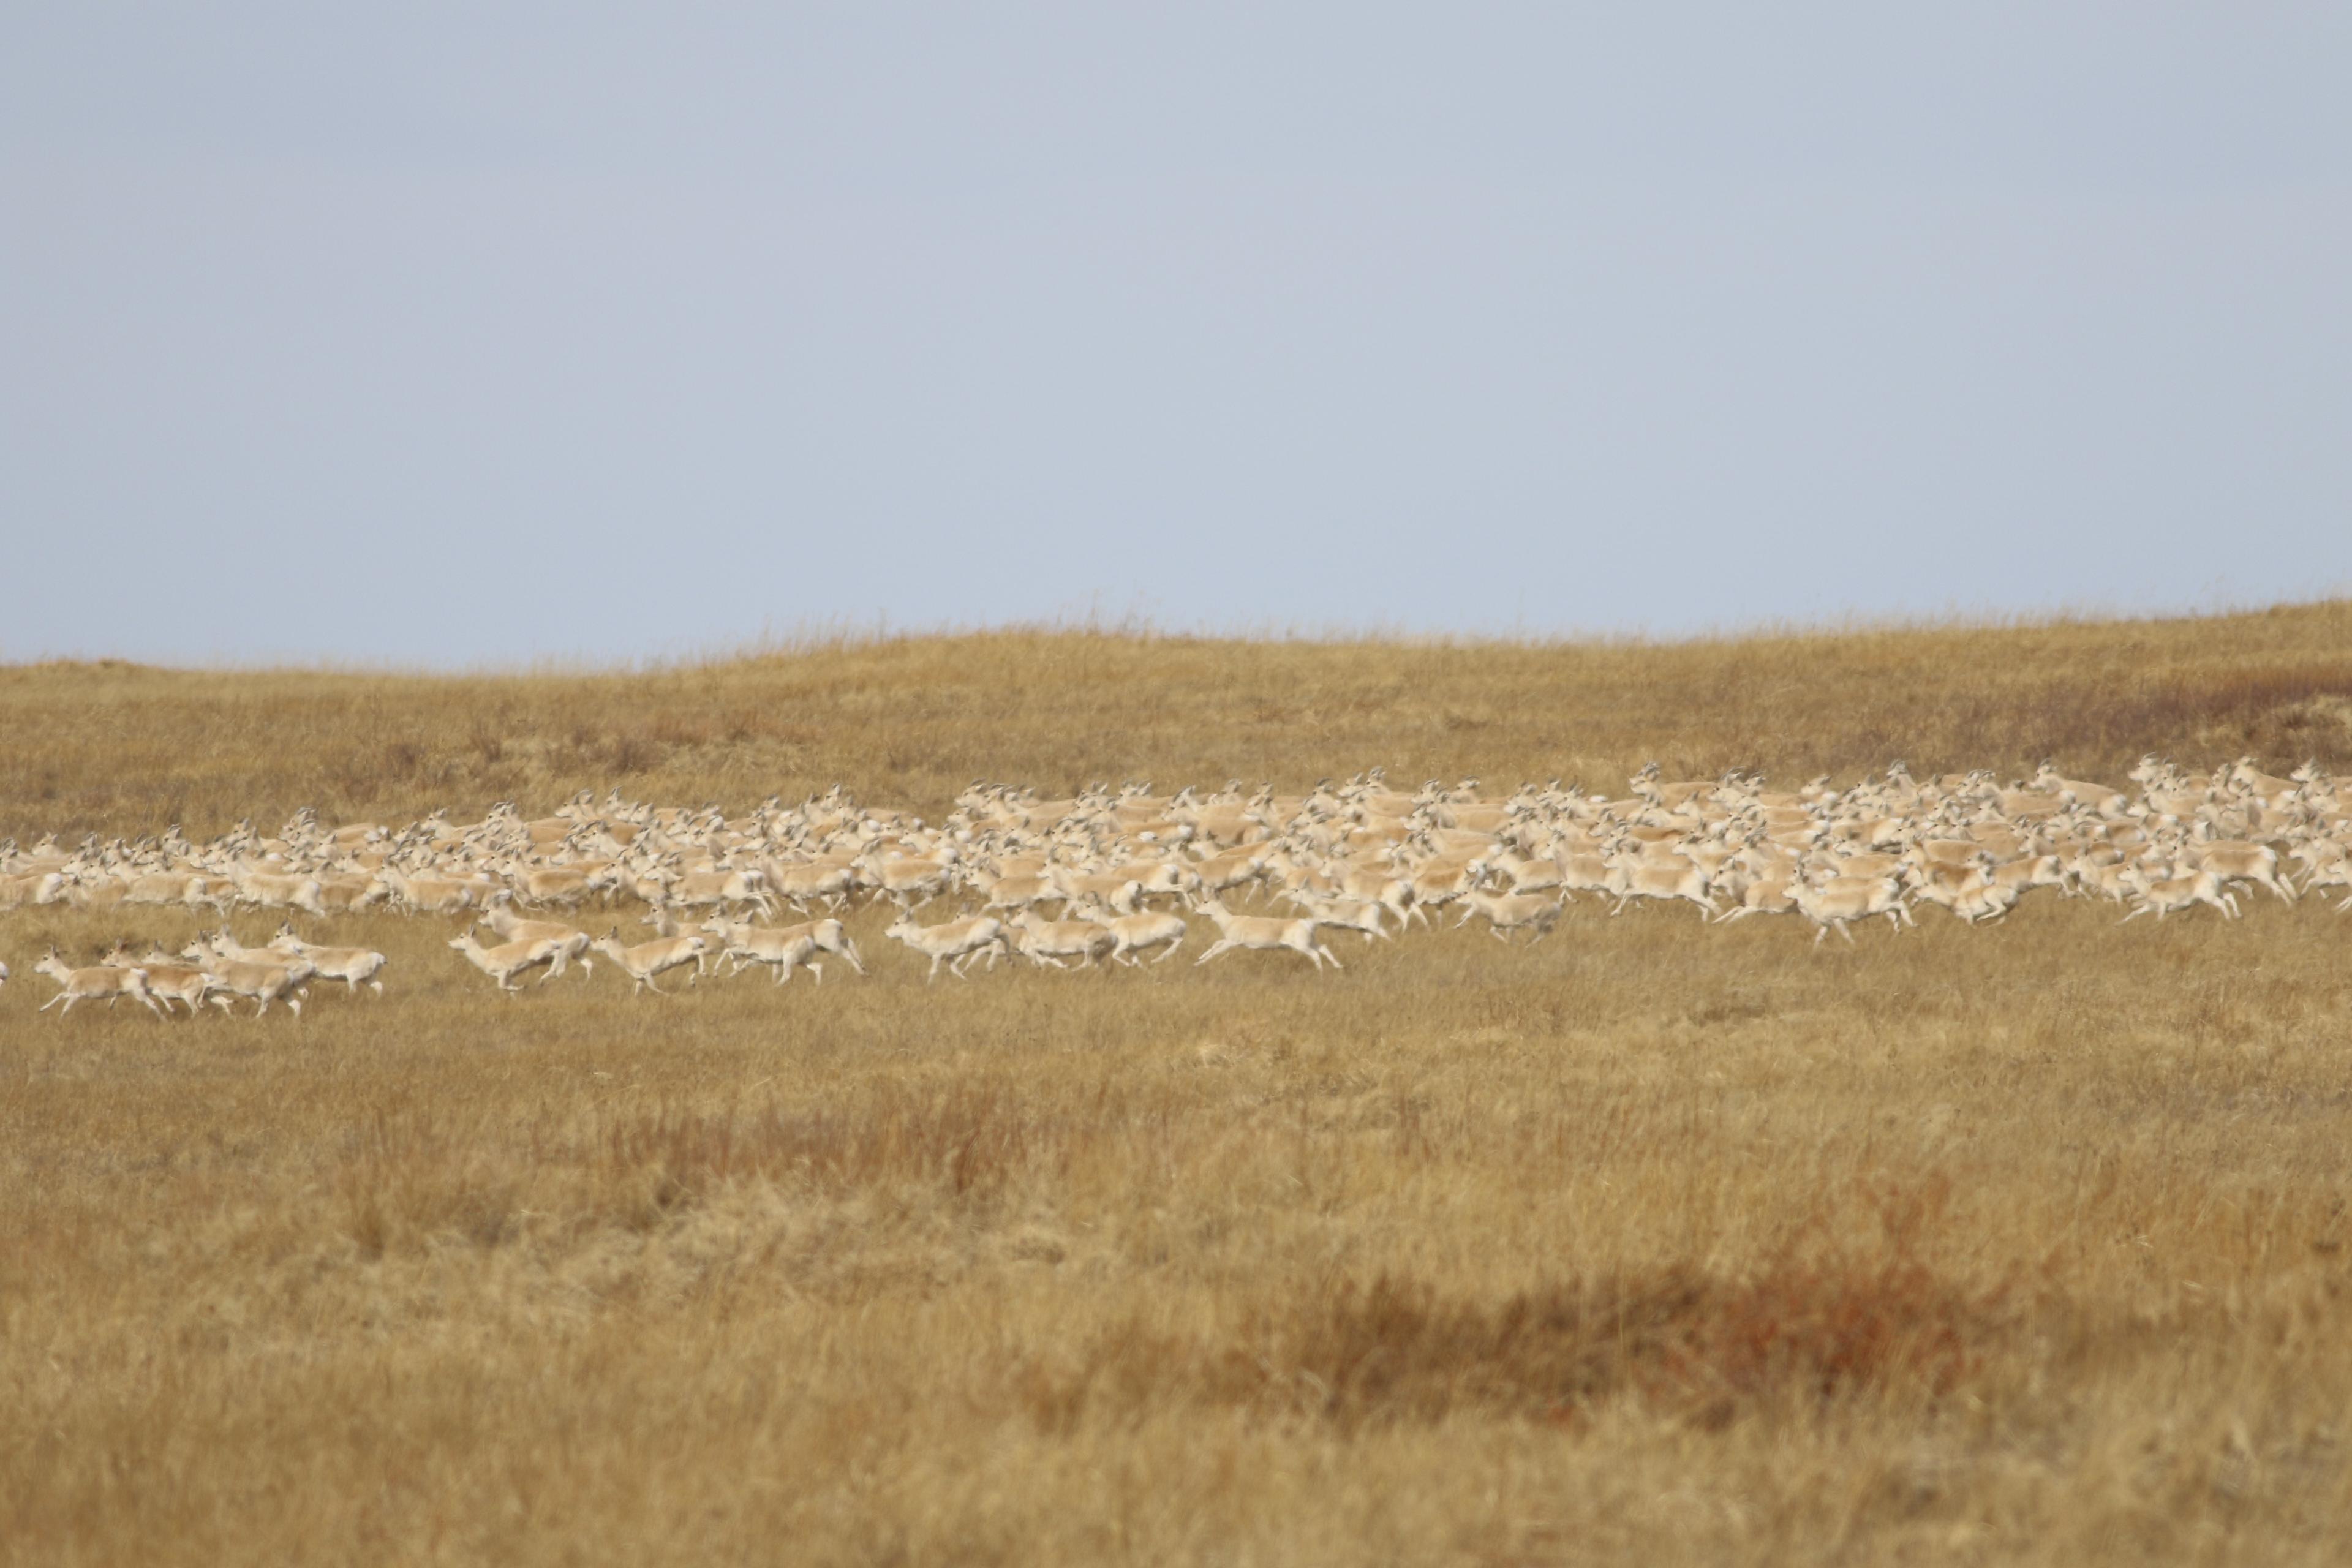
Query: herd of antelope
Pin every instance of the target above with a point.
(1118, 870)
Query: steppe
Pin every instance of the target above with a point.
(1655, 1242)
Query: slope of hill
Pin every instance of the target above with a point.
(1657, 1242)
(120, 749)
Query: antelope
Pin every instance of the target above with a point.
(649, 959)
(1344, 914)
(569, 942)
(1135, 933)
(1015, 894)
(217, 948)
(429, 895)
(901, 876)
(745, 885)
(1045, 942)
(1158, 878)
(1112, 889)
(1263, 933)
(273, 892)
(506, 960)
(258, 973)
(104, 982)
(2163, 895)
(551, 884)
(1507, 912)
(746, 944)
(1441, 882)
(1843, 898)
(955, 943)
(166, 887)
(1538, 874)
(1765, 896)
(796, 885)
(2236, 861)
(186, 984)
(1666, 876)
(829, 936)
(354, 966)
(1221, 873)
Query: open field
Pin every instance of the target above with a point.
(1657, 1241)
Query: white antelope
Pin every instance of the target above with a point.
(1263, 933)
(1508, 913)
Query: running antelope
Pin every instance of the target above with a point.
(1263, 933)
(104, 983)
(649, 959)
(955, 943)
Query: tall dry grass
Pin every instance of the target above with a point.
(118, 748)
(1653, 1243)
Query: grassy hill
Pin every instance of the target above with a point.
(118, 749)
(1657, 1242)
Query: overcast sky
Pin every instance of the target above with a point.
(476, 334)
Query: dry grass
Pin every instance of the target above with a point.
(1654, 1242)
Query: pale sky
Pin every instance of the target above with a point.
(468, 334)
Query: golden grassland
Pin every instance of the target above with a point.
(1654, 1242)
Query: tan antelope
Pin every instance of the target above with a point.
(569, 942)
(1344, 914)
(1841, 900)
(1659, 877)
(272, 891)
(744, 943)
(168, 980)
(829, 935)
(2162, 895)
(1014, 895)
(2236, 861)
(1440, 882)
(506, 960)
(797, 884)
(1043, 941)
(1131, 934)
(910, 881)
(354, 966)
(649, 959)
(258, 972)
(954, 942)
(99, 983)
